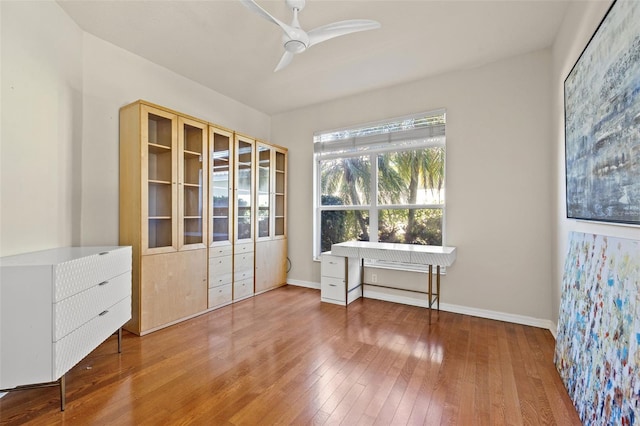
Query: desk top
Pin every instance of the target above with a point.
(406, 253)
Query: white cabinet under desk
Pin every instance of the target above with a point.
(340, 281)
(357, 251)
(56, 306)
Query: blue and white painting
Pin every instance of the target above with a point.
(597, 347)
(602, 121)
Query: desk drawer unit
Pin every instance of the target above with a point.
(337, 274)
(57, 306)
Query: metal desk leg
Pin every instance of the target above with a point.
(120, 340)
(63, 388)
(430, 290)
(438, 286)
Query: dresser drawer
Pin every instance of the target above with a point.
(243, 262)
(220, 251)
(79, 274)
(332, 266)
(69, 350)
(242, 288)
(78, 309)
(332, 288)
(220, 295)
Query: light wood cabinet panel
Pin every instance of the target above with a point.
(271, 264)
(174, 287)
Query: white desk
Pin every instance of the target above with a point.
(405, 253)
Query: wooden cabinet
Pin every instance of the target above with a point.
(58, 305)
(271, 242)
(163, 213)
(221, 201)
(204, 208)
(244, 212)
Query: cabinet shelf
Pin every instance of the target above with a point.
(192, 185)
(155, 148)
(159, 217)
(159, 182)
(191, 153)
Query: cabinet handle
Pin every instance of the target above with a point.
(103, 313)
(332, 285)
(103, 253)
(332, 263)
(104, 283)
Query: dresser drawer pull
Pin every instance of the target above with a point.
(103, 253)
(104, 283)
(332, 285)
(103, 313)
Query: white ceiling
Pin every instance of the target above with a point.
(222, 45)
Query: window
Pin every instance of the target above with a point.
(381, 182)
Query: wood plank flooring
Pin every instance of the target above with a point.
(283, 357)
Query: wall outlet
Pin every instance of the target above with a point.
(374, 278)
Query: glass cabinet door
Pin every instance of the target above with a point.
(244, 188)
(263, 196)
(159, 145)
(192, 187)
(280, 194)
(221, 184)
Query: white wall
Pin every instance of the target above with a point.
(580, 22)
(61, 92)
(498, 178)
(113, 78)
(41, 127)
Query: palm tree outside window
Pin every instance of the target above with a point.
(381, 182)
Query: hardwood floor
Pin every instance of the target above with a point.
(284, 357)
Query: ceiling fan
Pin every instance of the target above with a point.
(296, 40)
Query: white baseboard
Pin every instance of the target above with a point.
(307, 284)
(465, 310)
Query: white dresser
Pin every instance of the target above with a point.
(56, 306)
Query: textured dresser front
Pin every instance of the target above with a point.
(93, 299)
(57, 306)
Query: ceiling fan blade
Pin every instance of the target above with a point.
(329, 31)
(284, 61)
(256, 8)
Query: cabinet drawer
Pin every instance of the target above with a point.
(69, 350)
(219, 267)
(242, 289)
(243, 275)
(243, 248)
(78, 309)
(220, 251)
(82, 273)
(332, 288)
(332, 266)
(243, 262)
(216, 280)
(220, 295)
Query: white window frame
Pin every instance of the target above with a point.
(399, 134)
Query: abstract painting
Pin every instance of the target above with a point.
(597, 348)
(602, 121)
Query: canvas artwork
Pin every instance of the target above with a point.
(602, 122)
(597, 348)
